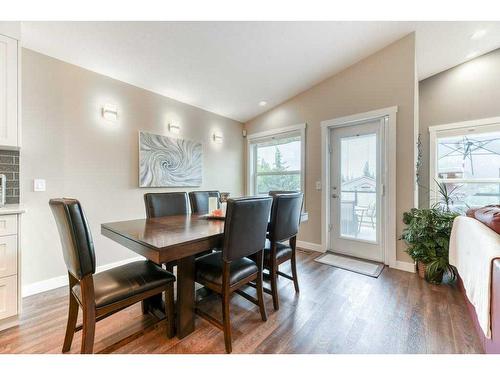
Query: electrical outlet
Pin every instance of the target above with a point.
(318, 185)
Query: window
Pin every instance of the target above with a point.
(276, 160)
(466, 162)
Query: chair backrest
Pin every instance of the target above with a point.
(166, 204)
(274, 192)
(285, 216)
(245, 226)
(372, 209)
(76, 239)
(199, 200)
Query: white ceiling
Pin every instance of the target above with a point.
(229, 67)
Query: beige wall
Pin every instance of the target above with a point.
(384, 79)
(466, 92)
(66, 142)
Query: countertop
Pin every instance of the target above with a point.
(10, 209)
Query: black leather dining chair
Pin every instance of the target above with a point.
(226, 271)
(283, 226)
(199, 200)
(104, 293)
(274, 192)
(166, 204)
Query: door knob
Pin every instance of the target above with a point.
(335, 196)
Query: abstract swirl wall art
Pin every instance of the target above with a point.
(169, 162)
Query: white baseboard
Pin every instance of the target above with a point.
(44, 285)
(9, 322)
(60, 281)
(404, 266)
(310, 246)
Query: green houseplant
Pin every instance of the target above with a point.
(427, 235)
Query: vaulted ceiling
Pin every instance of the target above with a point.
(229, 67)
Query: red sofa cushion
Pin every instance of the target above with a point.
(488, 215)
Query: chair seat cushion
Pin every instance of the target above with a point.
(283, 251)
(126, 281)
(209, 269)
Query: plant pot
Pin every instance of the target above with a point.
(421, 267)
(436, 279)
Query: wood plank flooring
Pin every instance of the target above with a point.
(336, 311)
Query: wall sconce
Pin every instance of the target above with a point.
(109, 112)
(175, 129)
(217, 138)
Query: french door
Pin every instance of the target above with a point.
(356, 191)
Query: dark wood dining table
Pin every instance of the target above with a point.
(167, 239)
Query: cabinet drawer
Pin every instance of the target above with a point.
(8, 225)
(8, 297)
(8, 256)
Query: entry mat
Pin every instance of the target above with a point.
(364, 267)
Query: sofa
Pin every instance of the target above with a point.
(475, 252)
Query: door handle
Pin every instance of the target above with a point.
(335, 196)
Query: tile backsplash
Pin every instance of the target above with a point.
(9, 166)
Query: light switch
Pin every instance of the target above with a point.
(38, 184)
(318, 185)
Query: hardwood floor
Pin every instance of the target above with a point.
(337, 311)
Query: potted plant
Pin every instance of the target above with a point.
(427, 235)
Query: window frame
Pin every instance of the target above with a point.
(256, 138)
(456, 129)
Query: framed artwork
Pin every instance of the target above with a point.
(169, 162)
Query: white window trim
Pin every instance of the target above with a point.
(255, 137)
(389, 152)
(480, 125)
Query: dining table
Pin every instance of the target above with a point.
(171, 239)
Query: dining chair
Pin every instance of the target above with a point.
(102, 294)
(284, 225)
(371, 213)
(199, 200)
(166, 204)
(274, 192)
(226, 271)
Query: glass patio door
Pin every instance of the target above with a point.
(356, 190)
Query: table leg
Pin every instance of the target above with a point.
(185, 296)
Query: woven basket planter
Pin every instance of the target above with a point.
(421, 267)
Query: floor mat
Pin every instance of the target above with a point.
(364, 267)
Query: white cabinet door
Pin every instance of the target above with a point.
(8, 92)
(8, 225)
(8, 256)
(8, 297)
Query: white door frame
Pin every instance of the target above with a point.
(389, 155)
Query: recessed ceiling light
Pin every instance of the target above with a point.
(478, 34)
(262, 103)
(471, 55)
